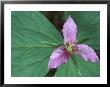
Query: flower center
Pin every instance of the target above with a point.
(69, 48)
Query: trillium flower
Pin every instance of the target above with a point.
(70, 47)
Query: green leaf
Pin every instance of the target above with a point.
(67, 70)
(33, 38)
(85, 68)
(88, 26)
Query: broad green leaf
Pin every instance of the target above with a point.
(88, 26)
(67, 70)
(33, 38)
(83, 69)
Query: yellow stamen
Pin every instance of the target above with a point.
(69, 48)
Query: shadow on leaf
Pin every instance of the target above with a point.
(51, 72)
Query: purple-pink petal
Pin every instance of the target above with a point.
(59, 56)
(86, 52)
(69, 31)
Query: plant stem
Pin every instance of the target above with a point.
(76, 64)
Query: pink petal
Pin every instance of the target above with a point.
(59, 56)
(86, 52)
(69, 31)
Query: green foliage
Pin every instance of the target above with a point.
(88, 27)
(33, 39)
(78, 68)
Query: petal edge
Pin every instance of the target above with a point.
(58, 57)
(86, 52)
(69, 31)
